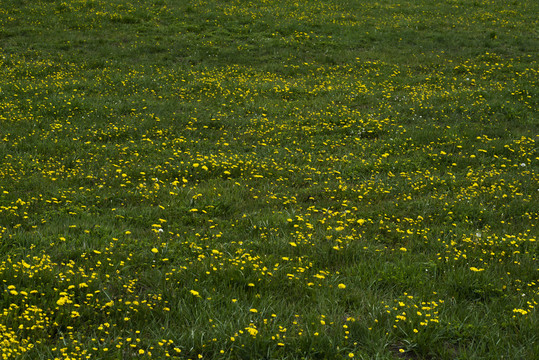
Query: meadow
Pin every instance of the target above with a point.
(316, 179)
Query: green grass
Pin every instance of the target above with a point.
(268, 179)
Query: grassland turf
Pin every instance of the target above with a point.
(268, 180)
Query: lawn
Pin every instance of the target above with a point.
(316, 179)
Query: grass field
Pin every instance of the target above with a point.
(269, 179)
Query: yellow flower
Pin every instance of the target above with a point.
(61, 301)
(252, 331)
(195, 293)
(155, 251)
(473, 268)
(521, 311)
(342, 286)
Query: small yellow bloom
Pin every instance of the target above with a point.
(342, 286)
(61, 301)
(521, 311)
(252, 331)
(155, 251)
(473, 268)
